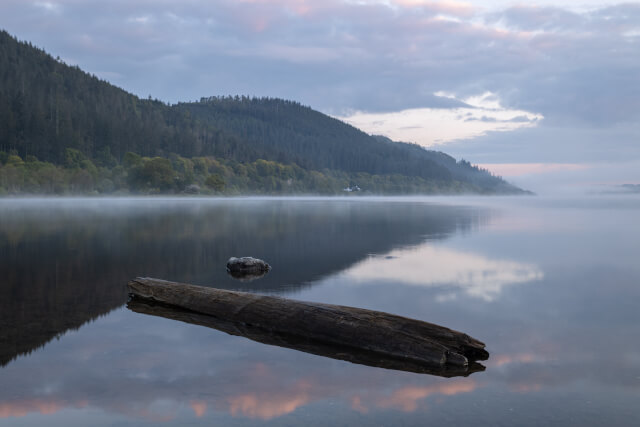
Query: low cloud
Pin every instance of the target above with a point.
(519, 169)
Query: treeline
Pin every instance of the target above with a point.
(198, 175)
(48, 108)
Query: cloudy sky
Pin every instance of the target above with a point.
(545, 93)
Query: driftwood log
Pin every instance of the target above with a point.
(396, 337)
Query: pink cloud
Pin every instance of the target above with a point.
(453, 8)
(520, 169)
(298, 7)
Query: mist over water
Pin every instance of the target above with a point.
(549, 285)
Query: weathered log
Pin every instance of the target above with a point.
(374, 331)
(295, 342)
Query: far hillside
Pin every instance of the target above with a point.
(63, 130)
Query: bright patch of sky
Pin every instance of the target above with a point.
(433, 126)
(48, 6)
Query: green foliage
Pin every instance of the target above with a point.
(131, 160)
(88, 165)
(215, 182)
(14, 160)
(105, 158)
(208, 175)
(153, 175)
(73, 158)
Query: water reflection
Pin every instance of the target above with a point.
(453, 271)
(407, 398)
(273, 403)
(40, 406)
(168, 370)
(562, 350)
(67, 262)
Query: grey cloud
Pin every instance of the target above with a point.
(552, 144)
(486, 119)
(584, 65)
(531, 18)
(618, 18)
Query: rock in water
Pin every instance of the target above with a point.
(247, 267)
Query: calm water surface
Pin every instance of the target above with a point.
(551, 286)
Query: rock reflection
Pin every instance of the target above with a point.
(247, 277)
(432, 266)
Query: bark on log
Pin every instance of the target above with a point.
(295, 342)
(373, 331)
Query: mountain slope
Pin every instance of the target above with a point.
(313, 140)
(48, 107)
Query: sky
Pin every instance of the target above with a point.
(544, 93)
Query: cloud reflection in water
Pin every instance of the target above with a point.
(272, 404)
(406, 398)
(433, 266)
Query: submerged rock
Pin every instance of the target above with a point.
(247, 268)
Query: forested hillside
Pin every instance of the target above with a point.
(308, 138)
(63, 130)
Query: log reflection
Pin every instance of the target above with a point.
(303, 344)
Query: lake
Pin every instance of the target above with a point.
(552, 286)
